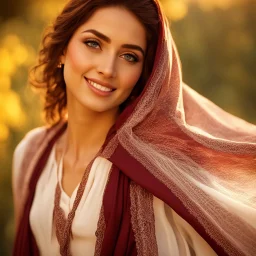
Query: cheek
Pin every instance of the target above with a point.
(130, 78)
(74, 59)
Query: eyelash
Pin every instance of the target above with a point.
(135, 58)
(90, 42)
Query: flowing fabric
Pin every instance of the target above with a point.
(175, 144)
(193, 148)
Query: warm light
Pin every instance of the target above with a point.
(7, 65)
(11, 41)
(20, 54)
(11, 112)
(175, 10)
(17, 51)
(5, 82)
(208, 5)
(48, 10)
(4, 132)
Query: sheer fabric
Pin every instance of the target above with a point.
(195, 149)
(174, 235)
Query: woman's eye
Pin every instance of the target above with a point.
(92, 44)
(130, 58)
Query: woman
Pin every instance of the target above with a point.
(142, 165)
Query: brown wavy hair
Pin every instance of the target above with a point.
(47, 76)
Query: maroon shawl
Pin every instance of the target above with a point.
(117, 217)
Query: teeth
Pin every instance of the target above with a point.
(99, 87)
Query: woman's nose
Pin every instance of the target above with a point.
(107, 66)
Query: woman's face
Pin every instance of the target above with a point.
(104, 59)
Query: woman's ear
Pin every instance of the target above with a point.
(63, 57)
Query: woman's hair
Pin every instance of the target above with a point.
(47, 76)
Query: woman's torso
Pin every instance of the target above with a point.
(174, 235)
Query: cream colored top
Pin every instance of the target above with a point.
(174, 235)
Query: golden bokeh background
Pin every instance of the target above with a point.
(216, 40)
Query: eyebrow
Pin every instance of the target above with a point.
(108, 40)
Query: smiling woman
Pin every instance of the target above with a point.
(132, 161)
(66, 26)
(100, 68)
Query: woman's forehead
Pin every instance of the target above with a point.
(117, 24)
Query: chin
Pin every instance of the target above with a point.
(98, 108)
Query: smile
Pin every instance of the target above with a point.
(99, 87)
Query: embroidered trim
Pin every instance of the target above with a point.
(143, 220)
(63, 225)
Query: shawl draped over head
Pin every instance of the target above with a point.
(171, 143)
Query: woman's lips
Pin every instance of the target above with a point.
(99, 89)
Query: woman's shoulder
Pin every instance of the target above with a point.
(22, 151)
(31, 137)
(28, 143)
(33, 141)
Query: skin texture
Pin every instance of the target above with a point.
(90, 56)
(110, 63)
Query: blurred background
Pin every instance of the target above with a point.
(216, 40)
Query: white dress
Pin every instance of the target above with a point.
(174, 235)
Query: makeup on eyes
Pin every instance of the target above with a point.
(96, 44)
(89, 43)
(135, 58)
(108, 40)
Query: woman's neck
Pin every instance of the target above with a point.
(87, 130)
